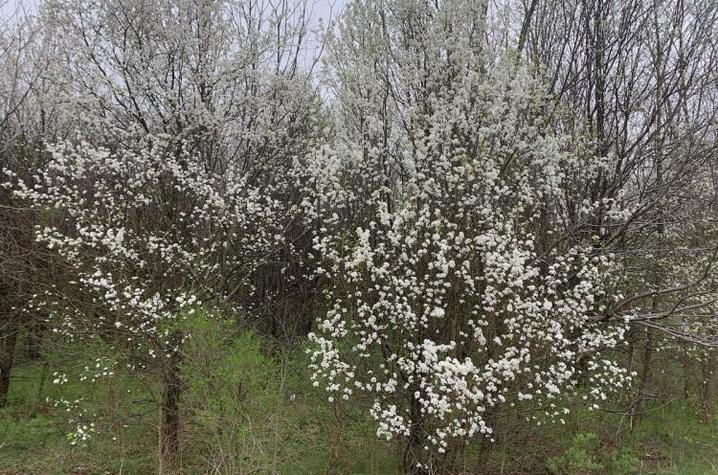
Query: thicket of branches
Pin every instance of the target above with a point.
(468, 208)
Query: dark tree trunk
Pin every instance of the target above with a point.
(34, 338)
(6, 362)
(645, 380)
(414, 463)
(170, 415)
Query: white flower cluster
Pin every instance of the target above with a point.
(148, 232)
(458, 294)
(80, 421)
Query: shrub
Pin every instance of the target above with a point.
(578, 458)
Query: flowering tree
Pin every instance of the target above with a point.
(146, 234)
(29, 114)
(230, 79)
(178, 191)
(457, 288)
(638, 76)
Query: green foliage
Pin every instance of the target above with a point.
(672, 440)
(578, 458)
(230, 386)
(35, 434)
(253, 410)
(248, 406)
(625, 462)
(23, 434)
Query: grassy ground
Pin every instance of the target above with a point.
(34, 438)
(279, 424)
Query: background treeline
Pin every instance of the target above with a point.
(420, 237)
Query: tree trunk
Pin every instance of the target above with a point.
(686, 377)
(6, 362)
(170, 416)
(647, 367)
(709, 386)
(34, 340)
(414, 463)
(645, 380)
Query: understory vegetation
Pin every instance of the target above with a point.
(249, 408)
(427, 237)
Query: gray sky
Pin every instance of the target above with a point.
(9, 8)
(325, 7)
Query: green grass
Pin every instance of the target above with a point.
(251, 409)
(672, 440)
(247, 408)
(34, 432)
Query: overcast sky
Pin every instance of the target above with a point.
(322, 8)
